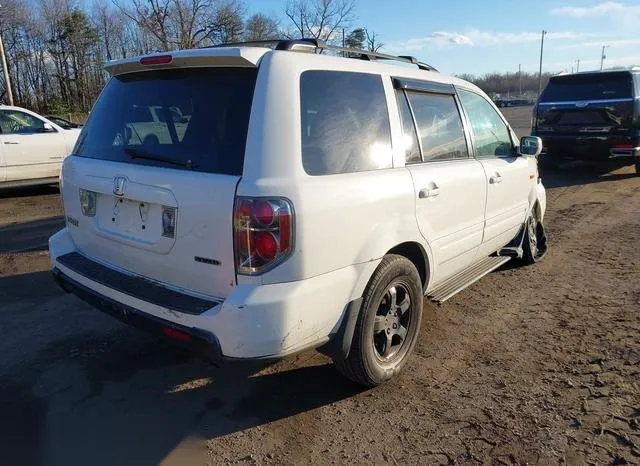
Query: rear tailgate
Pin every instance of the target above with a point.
(153, 197)
(594, 103)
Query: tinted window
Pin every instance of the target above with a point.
(490, 133)
(198, 115)
(588, 87)
(14, 122)
(345, 123)
(409, 135)
(439, 126)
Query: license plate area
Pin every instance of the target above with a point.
(134, 219)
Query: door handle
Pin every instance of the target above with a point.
(495, 179)
(11, 142)
(433, 191)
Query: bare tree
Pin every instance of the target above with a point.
(373, 44)
(109, 24)
(174, 24)
(261, 27)
(320, 19)
(228, 23)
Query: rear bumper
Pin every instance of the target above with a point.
(203, 343)
(253, 322)
(591, 147)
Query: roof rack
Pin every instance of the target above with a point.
(315, 45)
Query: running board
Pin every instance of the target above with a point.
(459, 282)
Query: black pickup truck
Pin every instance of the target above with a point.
(590, 116)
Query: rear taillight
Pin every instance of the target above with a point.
(263, 233)
(534, 118)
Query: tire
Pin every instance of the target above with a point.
(534, 244)
(385, 334)
(637, 166)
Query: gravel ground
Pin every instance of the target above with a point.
(531, 365)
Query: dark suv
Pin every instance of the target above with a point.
(591, 116)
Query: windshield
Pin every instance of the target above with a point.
(589, 87)
(195, 118)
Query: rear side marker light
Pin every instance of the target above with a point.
(156, 60)
(263, 233)
(87, 202)
(176, 334)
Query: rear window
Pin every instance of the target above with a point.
(194, 118)
(588, 87)
(345, 123)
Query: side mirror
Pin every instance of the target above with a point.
(47, 128)
(530, 146)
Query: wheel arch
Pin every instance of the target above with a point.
(415, 253)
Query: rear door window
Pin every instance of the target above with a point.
(345, 123)
(439, 126)
(594, 86)
(195, 118)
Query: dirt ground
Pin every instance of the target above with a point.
(531, 365)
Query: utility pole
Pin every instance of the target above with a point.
(603, 56)
(520, 77)
(578, 66)
(5, 71)
(540, 72)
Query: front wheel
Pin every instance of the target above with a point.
(534, 245)
(387, 327)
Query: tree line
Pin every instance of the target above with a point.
(508, 84)
(56, 50)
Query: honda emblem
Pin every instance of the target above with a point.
(119, 183)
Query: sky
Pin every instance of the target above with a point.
(473, 36)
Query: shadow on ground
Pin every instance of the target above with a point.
(29, 236)
(29, 191)
(580, 173)
(99, 392)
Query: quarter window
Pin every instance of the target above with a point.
(490, 133)
(345, 123)
(14, 122)
(439, 126)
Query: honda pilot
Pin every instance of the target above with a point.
(284, 199)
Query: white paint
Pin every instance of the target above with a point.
(344, 224)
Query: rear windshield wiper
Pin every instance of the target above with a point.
(140, 154)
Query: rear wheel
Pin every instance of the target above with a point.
(637, 165)
(534, 245)
(387, 327)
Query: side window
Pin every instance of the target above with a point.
(439, 126)
(409, 135)
(490, 133)
(14, 122)
(345, 123)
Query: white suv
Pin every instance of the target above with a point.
(297, 200)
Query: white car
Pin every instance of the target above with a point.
(32, 147)
(309, 201)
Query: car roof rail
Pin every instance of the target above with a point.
(314, 45)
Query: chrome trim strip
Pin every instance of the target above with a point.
(596, 101)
